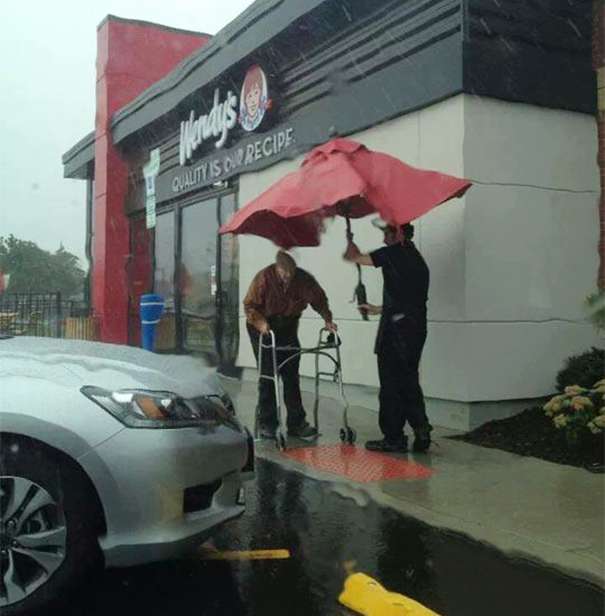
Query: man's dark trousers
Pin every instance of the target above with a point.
(399, 349)
(286, 334)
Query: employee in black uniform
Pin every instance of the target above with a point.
(401, 337)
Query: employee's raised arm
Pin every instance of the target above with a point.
(354, 255)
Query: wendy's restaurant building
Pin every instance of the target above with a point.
(191, 127)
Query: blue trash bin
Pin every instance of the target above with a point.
(151, 310)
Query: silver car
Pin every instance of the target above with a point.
(108, 452)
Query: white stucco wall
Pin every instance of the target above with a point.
(531, 236)
(510, 263)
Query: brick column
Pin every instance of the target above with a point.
(598, 58)
(131, 56)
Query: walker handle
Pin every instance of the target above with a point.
(332, 339)
(271, 335)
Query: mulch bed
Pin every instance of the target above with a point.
(531, 433)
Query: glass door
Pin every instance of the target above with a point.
(197, 273)
(197, 279)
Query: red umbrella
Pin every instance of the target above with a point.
(342, 177)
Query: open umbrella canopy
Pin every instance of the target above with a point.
(342, 177)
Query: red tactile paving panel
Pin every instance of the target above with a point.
(358, 464)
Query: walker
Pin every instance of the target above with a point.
(328, 346)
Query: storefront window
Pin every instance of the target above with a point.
(229, 285)
(140, 273)
(198, 276)
(164, 258)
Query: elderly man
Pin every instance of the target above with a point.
(401, 337)
(275, 301)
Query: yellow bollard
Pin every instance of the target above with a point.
(366, 596)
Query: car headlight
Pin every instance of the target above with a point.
(161, 409)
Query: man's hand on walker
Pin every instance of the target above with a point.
(370, 308)
(264, 328)
(331, 327)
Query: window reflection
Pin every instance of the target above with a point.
(198, 276)
(229, 286)
(164, 258)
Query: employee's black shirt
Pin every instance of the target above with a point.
(406, 280)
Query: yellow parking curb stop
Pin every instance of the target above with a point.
(245, 555)
(366, 596)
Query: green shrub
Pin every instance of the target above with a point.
(595, 305)
(583, 370)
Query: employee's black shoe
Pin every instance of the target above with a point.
(304, 430)
(267, 432)
(422, 438)
(388, 446)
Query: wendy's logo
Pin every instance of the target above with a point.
(254, 99)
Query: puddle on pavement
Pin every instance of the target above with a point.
(327, 532)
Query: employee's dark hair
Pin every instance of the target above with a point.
(407, 231)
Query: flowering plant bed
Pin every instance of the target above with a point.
(578, 410)
(569, 429)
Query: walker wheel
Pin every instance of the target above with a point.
(280, 442)
(351, 436)
(343, 435)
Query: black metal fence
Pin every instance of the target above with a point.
(45, 314)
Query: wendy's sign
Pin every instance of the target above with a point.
(254, 99)
(253, 152)
(253, 104)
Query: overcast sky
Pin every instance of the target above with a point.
(47, 102)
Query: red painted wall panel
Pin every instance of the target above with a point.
(131, 56)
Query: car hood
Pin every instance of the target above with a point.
(110, 366)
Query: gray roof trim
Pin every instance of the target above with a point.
(255, 27)
(78, 157)
(84, 143)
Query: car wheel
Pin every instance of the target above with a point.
(47, 538)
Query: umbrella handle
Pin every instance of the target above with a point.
(360, 290)
(349, 231)
(362, 298)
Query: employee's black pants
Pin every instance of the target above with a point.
(286, 334)
(399, 349)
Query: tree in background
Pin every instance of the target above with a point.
(34, 270)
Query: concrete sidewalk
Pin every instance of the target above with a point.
(523, 506)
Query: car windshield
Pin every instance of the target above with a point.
(318, 284)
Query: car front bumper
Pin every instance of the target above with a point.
(143, 476)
